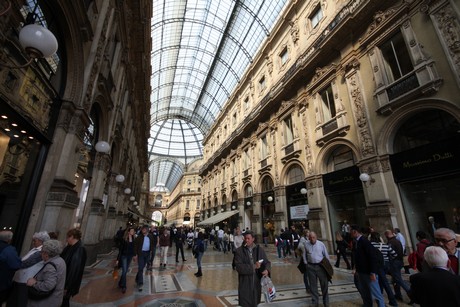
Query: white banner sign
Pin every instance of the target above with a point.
(299, 212)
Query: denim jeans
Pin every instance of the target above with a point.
(395, 267)
(125, 262)
(198, 259)
(369, 290)
(142, 260)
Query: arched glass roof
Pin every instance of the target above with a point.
(200, 50)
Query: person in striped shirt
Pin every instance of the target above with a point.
(387, 253)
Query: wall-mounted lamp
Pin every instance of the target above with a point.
(303, 191)
(135, 203)
(270, 198)
(366, 178)
(222, 210)
(103, 147)
(233, 207)
(36, 40)
(127, 191)
(132, 198)
(119, 178)
(248, 203)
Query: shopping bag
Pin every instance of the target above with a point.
(268, 288)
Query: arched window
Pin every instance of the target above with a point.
(342, 157)
(295, 174)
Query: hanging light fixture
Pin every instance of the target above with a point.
(132, 198)
(127, 191)
(37, 41)
(102, 147)
(120, 178)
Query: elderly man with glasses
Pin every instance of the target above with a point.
(446, 238)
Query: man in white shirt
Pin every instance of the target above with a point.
(315, 252)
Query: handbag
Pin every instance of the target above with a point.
(115, 272)
(302, 266)
(35, 294)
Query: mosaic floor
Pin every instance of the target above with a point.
(176, 285)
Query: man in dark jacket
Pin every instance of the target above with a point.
(74, 255)
(366, 278)
(143, 245)
(250, 270)
(179, 240)
(397, 264)
(436, 286)
(9, 263)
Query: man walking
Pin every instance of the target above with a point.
(315, 252)
(251, 264)
(179, 239)
(366, 264)
(396, 265)
(143, 245)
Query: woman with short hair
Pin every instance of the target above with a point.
(31, 263)
(51, 276)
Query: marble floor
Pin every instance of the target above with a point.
(175, 285)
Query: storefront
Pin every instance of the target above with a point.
(23, 151)
(345, 198)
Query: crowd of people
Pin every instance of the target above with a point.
(48, 275)
(376, 262)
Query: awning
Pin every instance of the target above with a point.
(218, 217)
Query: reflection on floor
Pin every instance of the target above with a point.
(175, 285)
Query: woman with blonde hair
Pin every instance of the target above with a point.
(125, 255)
(341, 250)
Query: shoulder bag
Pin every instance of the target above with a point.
(35, 294)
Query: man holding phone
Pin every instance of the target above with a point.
(251, 264)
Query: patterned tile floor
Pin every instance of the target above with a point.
(176, 285)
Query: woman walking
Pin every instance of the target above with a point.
(199, 251)
(125, 255)
(341, 250)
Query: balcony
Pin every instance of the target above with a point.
(291, 151)
(338, 126)
(423, 80)
(265, 165)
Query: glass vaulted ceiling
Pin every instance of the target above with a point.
(200, 50)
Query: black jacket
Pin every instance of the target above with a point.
(75, 259)
(436, 287)
(365, 256)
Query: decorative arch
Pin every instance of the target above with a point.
(288, 166)
(387, 134)
(321, 167)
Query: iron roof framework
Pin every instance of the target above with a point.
(201, 49)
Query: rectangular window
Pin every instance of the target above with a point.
(233, 168)
(246, 103)
(288, 131)
(187, 205)
(234, 119)
(396, 57)
(263, 147)
(262, 84)
(327, 103)
(246, 159)
(284, 56)
(197, 204)
(316, 17)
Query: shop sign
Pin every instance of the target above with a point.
(299, 212)
(426, 161)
